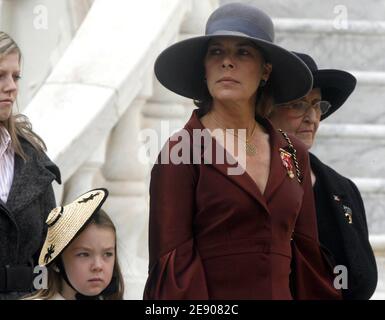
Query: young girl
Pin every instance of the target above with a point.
(80, 252)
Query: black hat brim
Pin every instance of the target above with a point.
(336, 87)
(180, 68)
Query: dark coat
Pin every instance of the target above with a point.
(215, 236)
(352, 247)
(22, 217)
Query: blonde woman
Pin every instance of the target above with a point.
(26, 174)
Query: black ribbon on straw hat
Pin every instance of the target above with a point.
(54, 216)
(180, 67)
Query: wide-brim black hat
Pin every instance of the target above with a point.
(180, 67)
(336, 85)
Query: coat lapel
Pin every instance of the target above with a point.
(277, 171)
(242, 180)
(5, 210)
(335, 195)
(31, 179)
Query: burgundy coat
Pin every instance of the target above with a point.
(215, 236)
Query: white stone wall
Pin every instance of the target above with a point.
(43, 29)
(325, 9)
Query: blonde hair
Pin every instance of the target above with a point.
(18, 125)
(100, 219)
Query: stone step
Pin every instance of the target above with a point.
(357, 151)
(378, 245)
(373, 195)
(366, 105)
(327, 9)
(353, 150)
(359, 46)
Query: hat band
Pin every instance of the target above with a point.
(56, 218)
(229, 33)
(235, 26)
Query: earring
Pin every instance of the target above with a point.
(55, 268)
(262, 83)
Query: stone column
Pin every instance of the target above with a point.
(125, 179)
(87, 177)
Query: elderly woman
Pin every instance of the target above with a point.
(340, 211)
(26, 194)
(217, 233)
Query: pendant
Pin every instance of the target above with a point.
(251, 149)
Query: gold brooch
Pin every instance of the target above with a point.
(287, 162)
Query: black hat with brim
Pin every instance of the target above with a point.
(336, 85)
(180, 67)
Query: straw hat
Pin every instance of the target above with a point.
(64, 223)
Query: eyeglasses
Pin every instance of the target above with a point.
(300, 108)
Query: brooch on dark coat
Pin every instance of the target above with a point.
(347, 210)
(348, 214)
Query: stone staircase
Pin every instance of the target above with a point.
(346, 35)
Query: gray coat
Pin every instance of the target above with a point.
(31, 198)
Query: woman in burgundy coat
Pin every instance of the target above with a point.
(221, 227)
